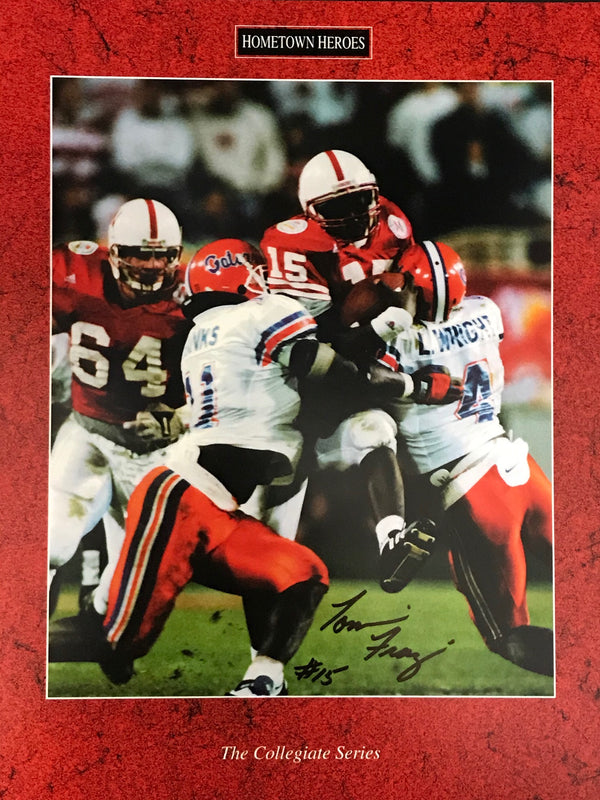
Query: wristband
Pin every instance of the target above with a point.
(391, 322)
(409, 385)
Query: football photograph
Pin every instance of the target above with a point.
(300, 459)
(301, 426)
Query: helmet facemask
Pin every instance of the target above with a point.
(256, 283)
(145, 273)
(348, 216)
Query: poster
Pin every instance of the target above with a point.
(176, 747)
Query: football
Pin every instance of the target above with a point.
(370, 297)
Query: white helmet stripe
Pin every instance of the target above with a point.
(439, 311)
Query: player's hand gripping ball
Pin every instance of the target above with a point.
(370, 297)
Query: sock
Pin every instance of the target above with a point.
(90, 568)
(99, 603)
(263, 665)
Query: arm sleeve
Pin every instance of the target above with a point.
(360, 344)
(317, 361)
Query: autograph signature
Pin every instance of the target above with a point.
(382, 641)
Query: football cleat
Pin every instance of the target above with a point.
(404, 554)
(261, 686)
(78, 638)
(81, 638)
(117, 668)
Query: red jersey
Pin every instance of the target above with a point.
(307, 263)
(123, 359)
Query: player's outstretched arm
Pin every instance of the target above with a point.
(316, 361)
(362, 343)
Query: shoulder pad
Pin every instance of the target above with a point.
(399, 227)
(301, 234)
(82, 247)
(283, 302)
(292, 225)
(395, 219)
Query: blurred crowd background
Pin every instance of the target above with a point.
(469, 163)
(226, 155)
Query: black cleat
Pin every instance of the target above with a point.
(404, 554)
(78, 638)
(54, 591)
(529, 647)
(81, 638)
(117, 668)
(262, 686)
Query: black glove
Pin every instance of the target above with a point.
(434, 386)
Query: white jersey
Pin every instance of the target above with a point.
(468, 344)
(234, 366)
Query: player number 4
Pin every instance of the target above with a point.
(477, 391)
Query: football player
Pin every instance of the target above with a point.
(93, 546)
(493, 500)
(347, 233)
(240, 365)
(126, 330)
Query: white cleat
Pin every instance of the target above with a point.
(261, 686)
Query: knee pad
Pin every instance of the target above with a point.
(69, 517)
(357, 436)
(369, 430)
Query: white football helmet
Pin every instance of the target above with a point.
(144, 241)
(338, 191)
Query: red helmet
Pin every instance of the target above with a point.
(439, 275)
(227, 265)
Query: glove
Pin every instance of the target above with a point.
(391, 322)
(159, 423)
(435, 386)
(387, 383)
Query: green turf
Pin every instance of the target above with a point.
(204, 649)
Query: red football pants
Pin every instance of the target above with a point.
(493, 526)
(175, 533)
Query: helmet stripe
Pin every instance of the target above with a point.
(153, 222)
(339, 173)
(439, 312)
